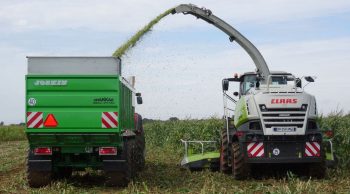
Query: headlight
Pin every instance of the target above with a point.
(304, 107)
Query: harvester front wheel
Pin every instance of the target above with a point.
(35, 177)
(122, 178)
(318, 170)
(240, 169)
(224, 153)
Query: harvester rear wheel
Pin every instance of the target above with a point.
(37, 178)
(140, 151)
(140, 143)
(240, 169)
(122, 178)
(224, 153)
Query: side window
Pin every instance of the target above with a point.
(249, 81)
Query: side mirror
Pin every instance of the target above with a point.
(257, 84)
(225, 85)
(309, 79)
(298, 81)
(139, 99)
(235, 93)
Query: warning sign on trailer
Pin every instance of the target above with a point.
(50, 121)
(34, 120)
(109, 120)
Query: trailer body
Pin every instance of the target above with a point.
(81, 111)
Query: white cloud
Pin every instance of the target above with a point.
(127, 16)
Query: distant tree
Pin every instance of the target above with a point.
(145, 120)
(21, 124)
(173, 119)
(2, 123)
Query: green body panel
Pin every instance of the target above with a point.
(77, 103)
(241, 113)
(204, 156)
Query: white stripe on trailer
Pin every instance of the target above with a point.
(35, 120)
(115, 115)
(30, 116)
(109, 119)
(110, 123)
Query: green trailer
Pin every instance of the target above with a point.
(80, 113)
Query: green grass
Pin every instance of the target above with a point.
(12, 133)
(163, 175)
(341, 127)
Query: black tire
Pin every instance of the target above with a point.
(63, 173)
(140, 151)
(318, 170)
(224, 153)
(122, 178)
(37, 178)
(140, 143)
(240, 169)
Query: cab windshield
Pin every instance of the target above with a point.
(282, 80)
(249, 81)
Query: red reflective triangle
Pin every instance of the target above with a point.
(50, 121)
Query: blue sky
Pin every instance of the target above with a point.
(180, 64)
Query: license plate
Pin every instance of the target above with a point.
(284, 129)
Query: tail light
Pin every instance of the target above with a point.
(43, 151)
(329, 133)
(107, 151)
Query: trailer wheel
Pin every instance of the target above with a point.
(63, 173)
(318, 170)
(224, 153)
(122, 178)
(240, 169)
(37, 178)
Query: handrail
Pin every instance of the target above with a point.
(199, 142)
